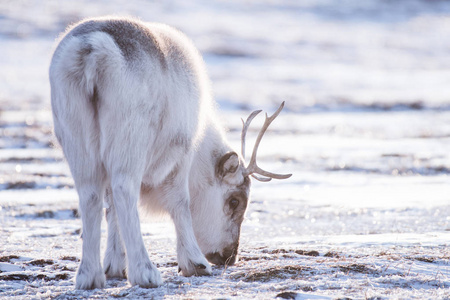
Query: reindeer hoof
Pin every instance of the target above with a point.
(111, 273)
(196, 269)
(114, 265)
(145, 275)
(89, 277)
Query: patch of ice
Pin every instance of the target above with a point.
(6, 267)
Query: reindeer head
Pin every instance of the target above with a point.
(218, 207)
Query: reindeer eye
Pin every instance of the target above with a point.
(233, 203)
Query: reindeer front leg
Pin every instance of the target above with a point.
(115, 260)
(140, 271)
(191, 260)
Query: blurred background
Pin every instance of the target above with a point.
(314, 54)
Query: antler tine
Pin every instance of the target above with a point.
(245, 126)
(263, 179)
(252, 166)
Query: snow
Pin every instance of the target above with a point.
(5, 267)
(365, 132)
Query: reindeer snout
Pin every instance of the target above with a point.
(227, 258)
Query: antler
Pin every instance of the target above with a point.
(245, 128)
(252, 167)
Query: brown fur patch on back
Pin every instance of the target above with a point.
(130, 36)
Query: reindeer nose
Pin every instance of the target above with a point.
(228, 257)
(217, 259)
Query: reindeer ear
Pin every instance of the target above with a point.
(228, 163)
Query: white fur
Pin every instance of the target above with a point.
(151, 134)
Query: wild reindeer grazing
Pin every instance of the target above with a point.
(133, 113)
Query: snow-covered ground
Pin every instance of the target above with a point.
(365, 131)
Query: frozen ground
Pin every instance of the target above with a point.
(366, 133)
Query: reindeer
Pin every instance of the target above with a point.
(133, 113)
